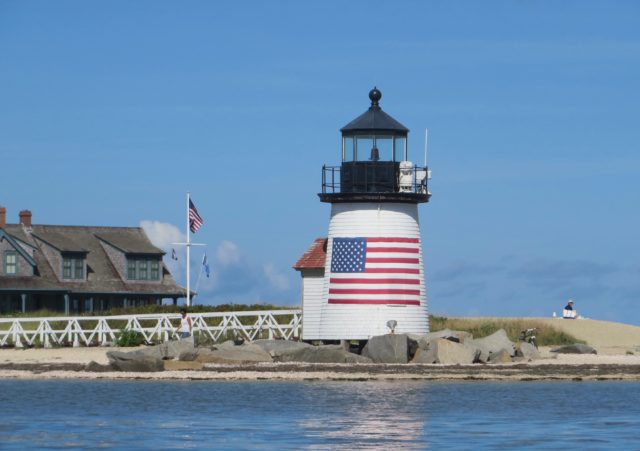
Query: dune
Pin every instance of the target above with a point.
(606, 336)
(609, 338)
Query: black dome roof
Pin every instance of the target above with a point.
(374, 119)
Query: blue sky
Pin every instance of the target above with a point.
(111, 111)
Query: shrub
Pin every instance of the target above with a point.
(128, 337)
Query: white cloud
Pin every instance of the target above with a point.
(276, 278)
(228, 253)
(162, 234)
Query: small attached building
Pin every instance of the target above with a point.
(311, 267)
(76, 269)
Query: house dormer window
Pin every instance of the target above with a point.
(11, 263)
(73, 267)
(143, 268)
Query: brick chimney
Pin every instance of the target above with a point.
(3, 217)
(25, 218)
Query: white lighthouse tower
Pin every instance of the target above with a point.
(373, 273)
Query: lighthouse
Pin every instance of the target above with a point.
(372, 281)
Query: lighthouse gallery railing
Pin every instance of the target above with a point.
(103, 330)
(369, 177)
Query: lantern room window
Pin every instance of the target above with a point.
(361, 148)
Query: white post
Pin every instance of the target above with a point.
(188, 254)
(426, 141)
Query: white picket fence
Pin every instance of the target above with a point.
(100, 330)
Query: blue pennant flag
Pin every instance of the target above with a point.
(205, 263)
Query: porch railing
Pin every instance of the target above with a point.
(103, 330)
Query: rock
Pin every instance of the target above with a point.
(527, 351)
(96, 367)
(234, 354)
(188, 356)
(446, 352)
(134, 361)
(279, 348)
(225, 344)
(173, 348)
(575, 349)
(501, 356)
(422, 341)
(176, 365)
(492, 344)
(424, 356)
(323, 354)
(390, 348)
(149, 351)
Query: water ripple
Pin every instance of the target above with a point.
(318, 415)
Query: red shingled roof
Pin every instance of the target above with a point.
(314, 257)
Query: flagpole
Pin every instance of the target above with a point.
(188, 254)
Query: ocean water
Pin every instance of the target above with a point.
(70, 414)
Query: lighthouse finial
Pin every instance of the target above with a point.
(375, 95)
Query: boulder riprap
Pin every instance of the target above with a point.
(446, 347)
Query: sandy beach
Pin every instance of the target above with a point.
(618, 358)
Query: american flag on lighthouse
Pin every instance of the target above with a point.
(375, 270)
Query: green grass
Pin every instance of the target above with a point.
(546, 335)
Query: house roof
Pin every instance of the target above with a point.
(314, 257)
(102, 276)
(130, 240)
(61, 240)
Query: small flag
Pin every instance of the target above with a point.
(173, 255)
(195, 220)
(205, 263)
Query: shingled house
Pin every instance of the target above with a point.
(75, 269)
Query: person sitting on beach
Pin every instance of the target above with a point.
(186, 326)
(569, 312)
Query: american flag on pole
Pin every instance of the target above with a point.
(195, 220)
(375, 270)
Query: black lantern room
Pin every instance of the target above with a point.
(375, 164)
